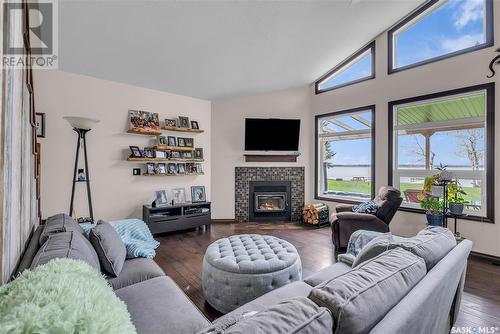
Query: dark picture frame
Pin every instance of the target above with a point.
(40, 124)
(172, 141)
(161, 198)
(162, 168)
(198, 153)
(135, 152)
(184, 122)
(162, 140)
(181, 142)
(189, 142)
(150, 168)
(198, 194)
(181, 168)
(172, 169)
(195, 125)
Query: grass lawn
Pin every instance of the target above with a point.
(473, 194)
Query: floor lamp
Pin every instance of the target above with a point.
(81, 125)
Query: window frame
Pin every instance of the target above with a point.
(370, 108)
(489, 88)
(489, 30)
(369, 46)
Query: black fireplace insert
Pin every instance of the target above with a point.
(270, 200)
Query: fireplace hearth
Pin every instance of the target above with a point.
(269, 200)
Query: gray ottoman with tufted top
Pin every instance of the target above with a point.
(243, 267)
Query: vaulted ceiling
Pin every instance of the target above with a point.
(214, 49)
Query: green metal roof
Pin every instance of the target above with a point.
(453, 108)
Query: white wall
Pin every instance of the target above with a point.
(116, 192)
(460, 71)
(228, 137)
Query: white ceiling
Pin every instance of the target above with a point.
(214, 49)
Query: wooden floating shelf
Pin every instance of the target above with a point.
(271, 158)
(144, 132)
(167, 128)
(171, 128)
(174, 148)
(164, 160)
(185, 174)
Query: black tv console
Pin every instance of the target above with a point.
(177, 217)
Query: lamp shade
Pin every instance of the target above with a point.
(81, 122)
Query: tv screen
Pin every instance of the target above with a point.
(272, 134)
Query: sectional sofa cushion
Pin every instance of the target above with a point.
(109, 247)
(373, 248)
(58, 223)
(432, 244)
(292, 316)
(327, 273)
(30, 252)
(158, 305)
(71, 245)
(360, 298)
(135, 271)
(292, 290)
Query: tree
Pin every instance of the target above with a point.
(418, 151)
(470, 147)
(329, 154)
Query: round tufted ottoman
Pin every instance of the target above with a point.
(243, 267)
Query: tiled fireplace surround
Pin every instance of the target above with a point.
(243, 175)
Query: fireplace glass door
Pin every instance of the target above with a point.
(270, 202)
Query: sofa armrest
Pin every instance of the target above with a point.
(344, 208)
(346, 223)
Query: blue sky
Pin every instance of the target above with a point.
(456, 25)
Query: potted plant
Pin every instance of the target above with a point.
(455, 199)
(434, 209)
(431, 185)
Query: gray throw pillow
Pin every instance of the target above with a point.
(431, 244)
(71, 245)
(363, 296)
(57, 224)
(109, 247)
(373, 248)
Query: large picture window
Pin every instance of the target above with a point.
(454, 129)
(359, 67)
(438, 30)
(344, 155)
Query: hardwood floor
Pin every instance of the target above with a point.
(181, 256)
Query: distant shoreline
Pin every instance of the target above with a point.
(407, 166)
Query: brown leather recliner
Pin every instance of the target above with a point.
(345, 222)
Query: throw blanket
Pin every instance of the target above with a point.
(136, 236)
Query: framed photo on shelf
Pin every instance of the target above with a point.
(161, 198)
(198, 153)
(194, 125)
(181, 168)
(176, 155)
(184, 122)
(135, 152)
(189, 142)
(179, 195)
(144, 121)
(162, 169)
(198, 194)
(171, 141)
(198, 168)
(168, 154)
(190, 169)
(150, 168)
(172, 169)
(170, 123)
(148, 153)
(162, 140)
(187, 155)
(181, 142)
(40, 124)
(160, 154)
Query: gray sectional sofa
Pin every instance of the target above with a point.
(392, 292)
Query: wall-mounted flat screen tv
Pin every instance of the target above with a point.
(272, 134)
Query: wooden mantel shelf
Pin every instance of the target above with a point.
(271, 157)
